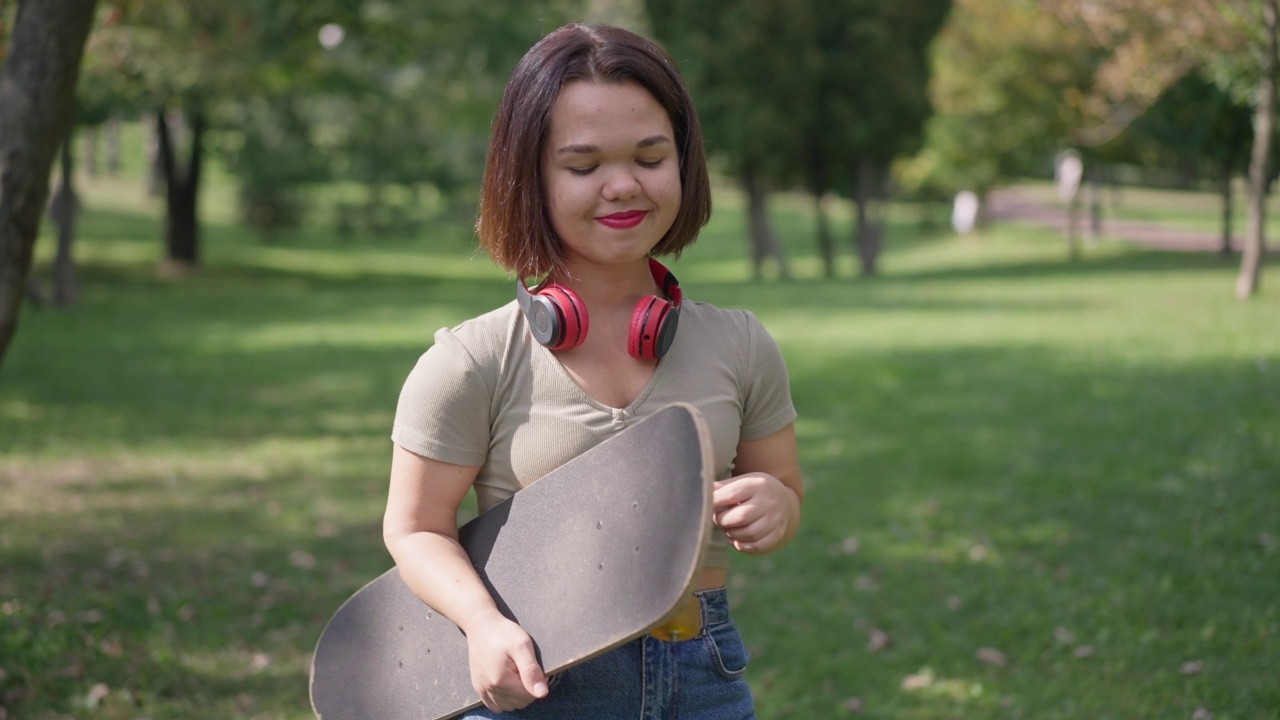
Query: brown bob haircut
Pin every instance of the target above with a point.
(513, 224)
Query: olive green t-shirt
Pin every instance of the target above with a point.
(486, 393)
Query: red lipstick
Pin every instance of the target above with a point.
(623, 220)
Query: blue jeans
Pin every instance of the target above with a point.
(649, 679)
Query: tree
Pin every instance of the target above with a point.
(37, 93)
(1153, 43)
(820, 93)
(747, 93)
(868, 105)
(396, 78)
(1197, 124)
(1007, 87)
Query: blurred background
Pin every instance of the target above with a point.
(1012, 249)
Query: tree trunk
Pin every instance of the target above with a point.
(764, 243)
(869, 228)
(1263, 124)
(1225, 189)
(182, 188)
(1094, 191)
(112, 132)
(1073, 226)
(825, 244)
(37, 94)
(63, 209)
(91, 150)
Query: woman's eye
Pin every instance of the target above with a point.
(650, 163)
(582, 170)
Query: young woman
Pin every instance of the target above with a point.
(596, 166)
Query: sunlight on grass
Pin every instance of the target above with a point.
(1072, 465)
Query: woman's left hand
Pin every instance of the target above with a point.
(755, 511)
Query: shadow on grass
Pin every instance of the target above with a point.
(1099, 526)
(194, 474)
(995, 495)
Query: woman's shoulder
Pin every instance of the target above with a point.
(483, 336)
(710, 318)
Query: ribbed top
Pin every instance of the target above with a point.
(486, 393)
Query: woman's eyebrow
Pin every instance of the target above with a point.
(653, 140)
(589, 149)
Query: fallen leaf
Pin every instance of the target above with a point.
(978, 553)
(877, 640)
(1064, 636)
(1192, 667)
(918, 681)
(991, 656)
(111, 647)
(850, 545)
(1083, 651)
(853, 705)
(954, 602)
(91, 617)
(259, 579)
(186, 612)
(260, 661)
(1202, 713)
(302, 559)
(96, 695)
(866, 583)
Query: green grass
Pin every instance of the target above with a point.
(1074, 464)
(1176, 209)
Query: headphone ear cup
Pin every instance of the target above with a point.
(652, 328)
(571, 314)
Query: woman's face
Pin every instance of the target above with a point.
(612, 172)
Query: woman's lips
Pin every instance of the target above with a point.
(623, 220)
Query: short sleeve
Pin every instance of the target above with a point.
(767, 406)
(443, 412)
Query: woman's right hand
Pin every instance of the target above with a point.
(504, 668)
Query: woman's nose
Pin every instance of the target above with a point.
(621, 184)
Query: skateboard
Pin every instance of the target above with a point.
(585, 559)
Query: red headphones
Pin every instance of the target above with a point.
(558, 316)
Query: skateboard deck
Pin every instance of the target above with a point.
(586, 559)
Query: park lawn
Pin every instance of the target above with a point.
(1036, 489)
(1180, 210)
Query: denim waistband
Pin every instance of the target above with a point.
(715, 605)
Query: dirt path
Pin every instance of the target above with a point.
(1019, 204)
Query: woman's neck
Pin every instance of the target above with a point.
(610, 285)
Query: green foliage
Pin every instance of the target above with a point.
(1007, 87)
(747, 70)
(1197, 124)
(401, 95)
(800, 91)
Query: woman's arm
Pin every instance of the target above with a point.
(759, 508)
(420, 529)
